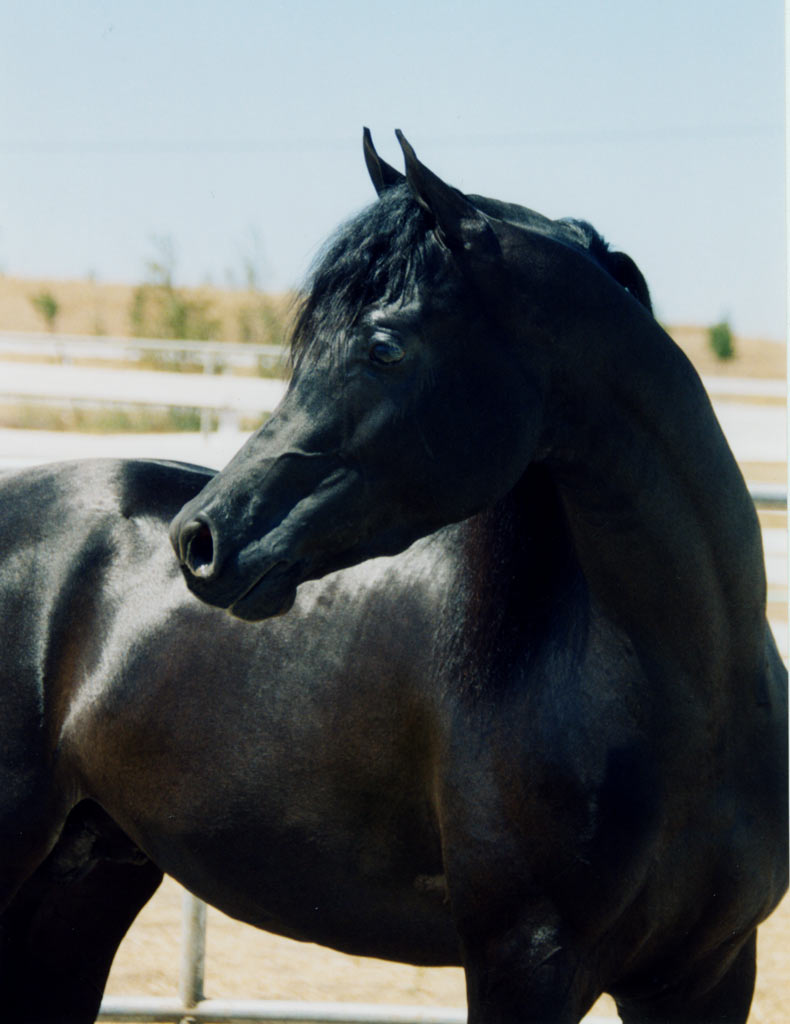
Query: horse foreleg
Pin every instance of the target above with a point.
(60, 933)
(527, 973)
(719, 993)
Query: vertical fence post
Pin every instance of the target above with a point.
(193, 950)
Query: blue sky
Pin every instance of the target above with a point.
(233, 129)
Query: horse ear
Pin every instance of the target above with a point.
(458, 224)
(381, 174)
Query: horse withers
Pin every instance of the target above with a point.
(496, 687)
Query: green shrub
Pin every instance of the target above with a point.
(48, 306)
(721, 340)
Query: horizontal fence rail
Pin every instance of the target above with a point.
(769, 496)
(212, 355)
(32, 382)
(237, 1011)
(162, 1009)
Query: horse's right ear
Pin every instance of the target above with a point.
(457, 223)
(381, 174)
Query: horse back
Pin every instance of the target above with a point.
(70, 537)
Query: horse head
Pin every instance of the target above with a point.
(410, 407)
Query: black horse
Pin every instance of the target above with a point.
(544, 737)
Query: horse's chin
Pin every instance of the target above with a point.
(274, 594)
(255, 610)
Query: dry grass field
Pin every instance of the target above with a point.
(90, 307)
(754, 357)
(242, 962)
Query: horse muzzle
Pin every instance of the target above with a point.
(249, 555)
(250, 584)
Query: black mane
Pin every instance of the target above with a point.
(618, 264)
(388, 249)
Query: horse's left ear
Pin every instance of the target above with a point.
(381, 174)
(459, 225)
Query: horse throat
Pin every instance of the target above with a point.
(521, 590)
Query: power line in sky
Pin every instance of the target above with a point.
(613, 136)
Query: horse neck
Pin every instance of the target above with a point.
(662, 523)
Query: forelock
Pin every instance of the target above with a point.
(382, 254)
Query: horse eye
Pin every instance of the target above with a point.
(385, 352)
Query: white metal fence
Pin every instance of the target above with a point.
(213, 356)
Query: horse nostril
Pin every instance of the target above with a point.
(198, 547)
